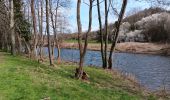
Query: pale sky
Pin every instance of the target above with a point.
(84, 13)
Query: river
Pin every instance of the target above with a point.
(152, 71)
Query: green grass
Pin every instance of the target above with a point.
(24, 79)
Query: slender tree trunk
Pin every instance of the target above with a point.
(19, 43)
(48, 32)
(40, 17)
(59, 52)
(34, 48)
(41, 31)
(89, 28)
(100, 32)
(106, 35)
(53, 48)
(56, 37)
(54, 26)
(79, 74)
(13, 51)
(54, 29)
(116, 32)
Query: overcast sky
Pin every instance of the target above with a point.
(84, 13)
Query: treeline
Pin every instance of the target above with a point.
(142, 14)
(27, 24)
(154, 33)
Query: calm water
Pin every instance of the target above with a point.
(152, 71)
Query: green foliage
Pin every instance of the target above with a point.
(22, 25)
(23, 79)
(25, 30)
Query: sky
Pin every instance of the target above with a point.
(84, 13)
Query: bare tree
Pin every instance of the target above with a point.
(34, 43)
(48, 33)
(107, 62)
(58, 22)
(100, 32)
(82, 48)
(116, 32)
(40, 19)
(104, 46)
(54, 26)
(106, 33)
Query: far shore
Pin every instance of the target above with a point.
(127, 47)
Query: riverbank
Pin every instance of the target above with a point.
(128, 47)
(22, 78)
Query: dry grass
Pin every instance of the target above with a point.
(130, 47)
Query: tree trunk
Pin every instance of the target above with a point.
(54, 26)
(116, 32)
(5, 43)
(27, 46)
(59, 52)
(54, 29)
(13, 51)
(19, 43)
(34, 48)
(106, 35)
(40, 17)
(53, 48)
(56, 38)
(100, 32)
(79, 74)
(48, 32)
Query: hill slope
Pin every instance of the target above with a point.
(24, 79)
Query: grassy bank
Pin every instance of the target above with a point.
(23, 79)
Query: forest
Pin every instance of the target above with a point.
(47, 52)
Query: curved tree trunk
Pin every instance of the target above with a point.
(116, 32)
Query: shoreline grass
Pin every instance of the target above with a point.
(127, 47)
